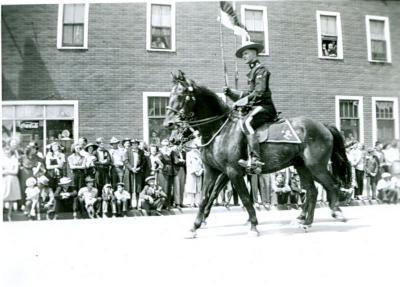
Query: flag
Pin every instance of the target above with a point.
(230, 20)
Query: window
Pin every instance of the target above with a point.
(161, 27)
(72, 26)
(385, 119)
(43, 122)
(154, 111)
(255, 20)
(329, 30)
(350, 117)
(378, 39)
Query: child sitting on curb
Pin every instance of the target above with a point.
(152, 197)
(32, 199)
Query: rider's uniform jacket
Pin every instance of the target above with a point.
(258, 85)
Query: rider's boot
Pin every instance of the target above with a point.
(254, 163)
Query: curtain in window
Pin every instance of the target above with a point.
(161, 26)
(74, 18)
(384, 110)
(377, 29)
(328, 25)
(254, 20)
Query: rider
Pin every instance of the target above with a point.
(259, 98)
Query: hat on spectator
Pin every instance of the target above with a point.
(95, 146)
(114, 140)
(64, 180)
(43, 180)
(152, 177)
(249, 45)
(121, 184)
(386, 175)
(126, 140)
(107, 185)
(165, 142)
(135, 141)
(31, 181)
(99, 140)
(89, 179)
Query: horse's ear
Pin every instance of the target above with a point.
(181, 75)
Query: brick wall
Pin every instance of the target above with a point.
(109, 78)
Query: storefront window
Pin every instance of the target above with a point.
(61, 132)
(29, 112)
(30, 131)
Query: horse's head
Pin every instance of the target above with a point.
(181, 100)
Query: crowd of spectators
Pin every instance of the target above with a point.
(108, 179)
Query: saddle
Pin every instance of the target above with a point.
(280, 131)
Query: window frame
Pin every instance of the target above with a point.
(265, 24)
(146, 96)
(173, 25)
(395, 102)
(60, 27)
(339, 46)
(387, 38)
(75, 118)
(360, 100)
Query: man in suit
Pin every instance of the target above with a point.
(134, 163)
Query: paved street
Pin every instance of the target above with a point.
(153, 251)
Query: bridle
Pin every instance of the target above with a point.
(186, 119)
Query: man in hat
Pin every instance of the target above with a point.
(121, 200)
(258, 96)
(152, 197)
(117, 159)
(371, 170)
(103, 164)
(126, 143)
(65, 196)
(107, 196)
(386, 192)
(88, 198)
(91, 159)
(134, 167)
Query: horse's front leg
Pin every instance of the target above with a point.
(236, 177)
(210, 176)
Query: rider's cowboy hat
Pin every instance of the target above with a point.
(152, 177)
(249, 45)
(64, 180)
(95, 146)
(114, 140)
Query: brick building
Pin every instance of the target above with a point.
(104, 69)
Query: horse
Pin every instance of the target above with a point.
(223, 144)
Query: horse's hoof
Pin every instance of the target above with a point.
(305, 227)
(191, 235)
(338, 215)
(254, 233)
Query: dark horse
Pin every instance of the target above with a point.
(223, 144)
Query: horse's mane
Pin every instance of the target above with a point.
(216, 105)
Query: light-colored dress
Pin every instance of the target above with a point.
(11, 186)
(194, 168)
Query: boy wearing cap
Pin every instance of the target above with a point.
(88, 198)
(107, 196)
(152, 196)
(32, 198)
(258, 96)
(386, 192)
(65, 196)
(46, 198)
(371, 171)
(121, 199)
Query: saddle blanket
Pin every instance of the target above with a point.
(280, 132)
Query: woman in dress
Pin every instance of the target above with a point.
(194, 175)
(55, 164)
(11, 186)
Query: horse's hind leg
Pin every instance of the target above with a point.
(324, 177)
(307, 182)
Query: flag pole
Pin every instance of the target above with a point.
(236, 64)
(222, 54)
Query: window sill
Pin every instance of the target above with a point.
(162, 50)
(331, 58)
(72, 48)
(380, 62)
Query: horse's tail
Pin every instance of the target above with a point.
(341, 167)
